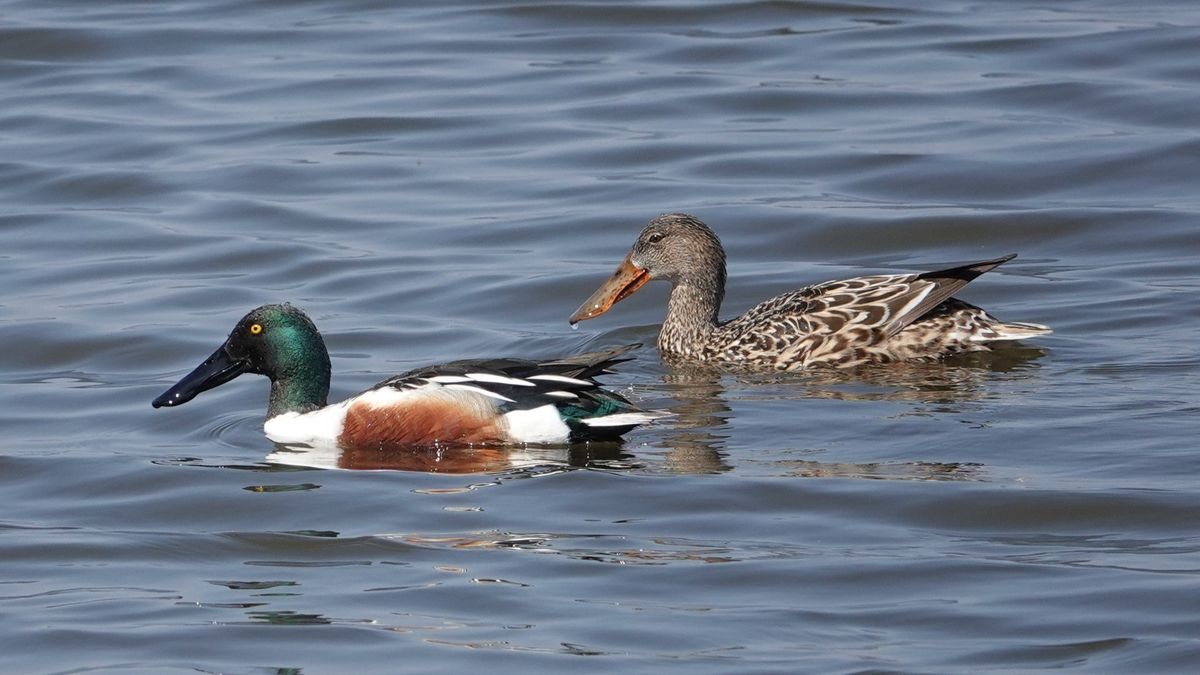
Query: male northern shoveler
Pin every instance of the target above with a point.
(873, 319)
(478, 402)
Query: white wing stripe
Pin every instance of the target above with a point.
(499, 379)
(624, 419)
(448, 379)
(902, 312)
(479, 390)
(561, 378)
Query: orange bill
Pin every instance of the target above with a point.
(622, 284)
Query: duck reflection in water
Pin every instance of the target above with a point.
(698, 396)
(458, 460)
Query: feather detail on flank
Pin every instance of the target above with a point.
(421, 417)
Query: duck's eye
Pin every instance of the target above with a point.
(655, 237)
(255, 328)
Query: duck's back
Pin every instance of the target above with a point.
(493, 401)
(869, 319)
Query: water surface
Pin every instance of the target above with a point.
(446, 182)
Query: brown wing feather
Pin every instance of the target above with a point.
(874, 302)
(815, 322)
(946, 283)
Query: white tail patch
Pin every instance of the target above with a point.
(562, 379)
(625, 419)
(539, 425)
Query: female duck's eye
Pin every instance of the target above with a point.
(255, 328)
(655, 237)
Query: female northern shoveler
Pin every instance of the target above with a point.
(489, 402)
(850, 322)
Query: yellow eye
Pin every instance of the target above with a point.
(255, 328)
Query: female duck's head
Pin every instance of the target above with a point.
(278, 341)
(675, 247)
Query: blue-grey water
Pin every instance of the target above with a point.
(450, 180)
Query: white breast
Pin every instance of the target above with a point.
(310, 427)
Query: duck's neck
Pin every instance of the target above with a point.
(692, 312)
(296, 396)
(302, 389)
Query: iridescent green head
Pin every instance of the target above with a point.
(278, 341)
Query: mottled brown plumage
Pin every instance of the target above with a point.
(849, 322)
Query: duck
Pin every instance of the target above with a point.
(842, 323)
(477, 402)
